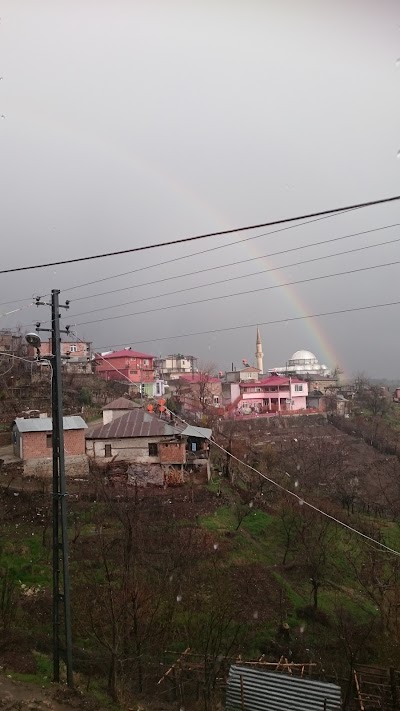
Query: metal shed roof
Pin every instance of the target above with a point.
(136, 423)
(45, 424)
(194, 431)
(252, 689)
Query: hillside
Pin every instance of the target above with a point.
(232, 568)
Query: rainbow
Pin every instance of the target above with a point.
(317, 340)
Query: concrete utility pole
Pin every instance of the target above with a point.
(61, 580)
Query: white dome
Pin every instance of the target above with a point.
(303, 355)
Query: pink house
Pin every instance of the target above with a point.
(273, 394)
(120, 365)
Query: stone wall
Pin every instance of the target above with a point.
(75, 467)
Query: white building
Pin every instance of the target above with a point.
(302, 363)
(173, 366)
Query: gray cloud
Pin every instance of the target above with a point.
(128, 122)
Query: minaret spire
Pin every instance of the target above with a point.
(259, 352)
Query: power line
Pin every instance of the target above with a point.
(257, 323)
(239, 293)
(242, 261)
(241, 276)
(300, 499)
(332, 211)
(206, 251)
(14, 311)
(195, 254)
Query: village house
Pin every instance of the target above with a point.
(137, 436)
(248, 372)
(172, 366)
(273, 394)
(13, 342)
(76, 356)
(117, 408)
(197, 392)
(126, 365)
(32, 441)
(149, 444)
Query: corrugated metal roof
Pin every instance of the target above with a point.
(121, 403)
(194, 431)
(252, 689)
(136, 423)
(45, 424)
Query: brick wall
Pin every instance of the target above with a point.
(35, 444)
(172, 452)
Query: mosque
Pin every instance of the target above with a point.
(301, 364)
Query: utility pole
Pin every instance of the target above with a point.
(61, 580)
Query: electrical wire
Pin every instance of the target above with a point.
(238, 293)
(257, 323)
(14, 311)
(300, 499)
(195, 254)
(233, 264)
(210, 249)
(241, 276)
(157, 245)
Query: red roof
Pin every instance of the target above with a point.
(272, 380)
(125, 353)
(199, 378)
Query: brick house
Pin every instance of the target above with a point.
(126, 364)
(76, 355)
(32, 441)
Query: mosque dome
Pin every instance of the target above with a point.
(303, 356)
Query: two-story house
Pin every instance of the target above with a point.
(172, 366)
(273, 394)
(126, 364)
(76, 355)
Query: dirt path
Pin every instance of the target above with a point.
(20, 696)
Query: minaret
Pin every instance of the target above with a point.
(259, 353)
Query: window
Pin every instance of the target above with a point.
(49, 441)
(153, 449)
(145, 361)
(133, 372)
(298, 388)
(216, 399)
(107, 450)
(73, 348)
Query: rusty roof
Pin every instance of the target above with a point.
(121, 403)
(136, 423)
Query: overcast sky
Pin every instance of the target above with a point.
(126, 123)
